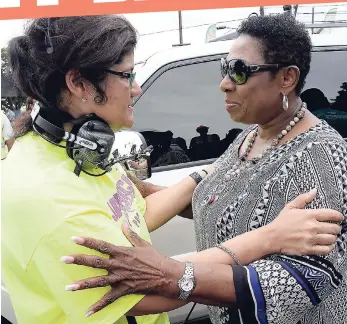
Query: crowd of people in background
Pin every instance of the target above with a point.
(169, 150)
(7, 134)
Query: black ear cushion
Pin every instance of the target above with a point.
(77, 124)
(97, 131)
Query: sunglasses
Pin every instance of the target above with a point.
(239, 71)
(128, 75)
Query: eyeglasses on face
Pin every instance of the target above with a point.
(239, 71)
(128, 75)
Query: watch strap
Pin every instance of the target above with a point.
(196, 177)
(188, 274)
(183, 295)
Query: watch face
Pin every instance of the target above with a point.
(187, 285)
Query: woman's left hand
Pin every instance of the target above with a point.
(131, 270)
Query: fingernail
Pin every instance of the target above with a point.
(126, 225)
(89, 313)
(72, 287)
(78, 240)
(67, 259)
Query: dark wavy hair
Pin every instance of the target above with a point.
(50, 47)
(283, 39)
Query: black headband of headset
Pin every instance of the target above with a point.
(60, 133)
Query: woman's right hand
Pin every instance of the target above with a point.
(298, 231)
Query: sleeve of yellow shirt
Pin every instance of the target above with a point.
(55, 275)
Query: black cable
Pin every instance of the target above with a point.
(94, 175)
(187, 318)
(131, 320)
(49, 48)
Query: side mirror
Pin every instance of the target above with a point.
(131, 149)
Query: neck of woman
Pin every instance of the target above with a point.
(271, 129)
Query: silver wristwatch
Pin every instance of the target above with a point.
(187, 283)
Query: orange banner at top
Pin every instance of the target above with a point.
(23, 9)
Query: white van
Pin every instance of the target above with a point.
(180, 93)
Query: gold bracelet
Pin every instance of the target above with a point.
(231, 253)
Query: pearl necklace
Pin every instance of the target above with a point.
(243, 164)
(238, 167)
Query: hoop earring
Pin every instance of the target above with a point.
(285, 102)
(84, 99)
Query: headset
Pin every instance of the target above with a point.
(89, 143)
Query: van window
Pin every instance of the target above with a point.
(182, 102)
(182, 113)
(325, 92)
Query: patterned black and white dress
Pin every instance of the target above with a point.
(279, 289)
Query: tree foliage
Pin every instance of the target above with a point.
(9, 103)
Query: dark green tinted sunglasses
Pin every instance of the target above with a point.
(128, 75)
(239, 71)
